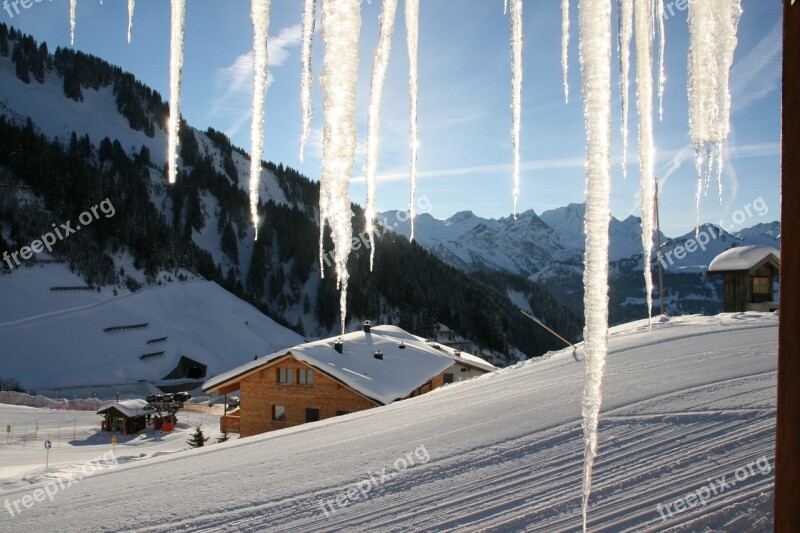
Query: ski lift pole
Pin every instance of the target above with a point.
(547, 328)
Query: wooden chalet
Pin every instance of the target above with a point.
(749, 273)
(333, 377)
(131, 416)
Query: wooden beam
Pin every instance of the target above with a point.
(787, 444)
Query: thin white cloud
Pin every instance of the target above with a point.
(758, 73)
(233, 84)
(541, 164)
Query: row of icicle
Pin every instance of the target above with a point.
(712, 34)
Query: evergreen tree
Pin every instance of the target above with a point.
(3, 40)
(197, 440)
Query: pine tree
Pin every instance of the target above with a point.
(197, 440)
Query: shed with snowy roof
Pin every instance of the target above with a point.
(126, 417)
(367, 368)
(749, 273)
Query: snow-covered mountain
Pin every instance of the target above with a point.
(548, 249)
(76, 130)
(530, 244)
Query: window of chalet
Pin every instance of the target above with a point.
(278, 413)
(305, 377)
(448, 378)
(761, 285)
(286, 376)
(312, 415)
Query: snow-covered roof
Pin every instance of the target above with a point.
(742, 258)
(129, 408)
(384, 380)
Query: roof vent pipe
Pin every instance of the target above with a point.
(367, 326)
(379, 355)
(402, 345)
(339, 346)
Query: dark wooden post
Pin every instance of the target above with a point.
(787, 448)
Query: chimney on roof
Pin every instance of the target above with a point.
(379, 355)
(339, 346)
(367, 326)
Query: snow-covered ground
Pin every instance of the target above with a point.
(76, 439)
(689, 409)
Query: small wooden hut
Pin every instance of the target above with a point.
(126, 417)
(749, 273)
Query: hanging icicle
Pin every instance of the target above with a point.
(341, 27)
(380, 65)
(662, 47)
(625, 23)
(309, 19)
(175, 71)
(516, 89)
(565, 46)
(131, 7)
(712, 42)
(259, 15)
(412, 40)
(73, 10)
(644, 89)
(595, 60)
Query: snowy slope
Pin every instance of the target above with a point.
(66, 347)
(689, 402)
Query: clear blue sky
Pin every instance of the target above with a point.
(464, 114)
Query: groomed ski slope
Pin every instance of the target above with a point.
(685, 404)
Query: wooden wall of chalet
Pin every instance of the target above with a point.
(435, 383)
(261, 390)
(739, 288)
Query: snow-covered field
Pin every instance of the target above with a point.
(687, 444)
(76, 440)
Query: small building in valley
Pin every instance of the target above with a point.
(332, 377)
(749, 273)
(132, 416)
(125, 417)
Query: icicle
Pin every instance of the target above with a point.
(516, 88)
(259, 14)
(662, 46)
(131, 7)
(175, 71)
(306, 78)
(625, 23)
(565, 46)
(712, 42)
(644, 90)
(379, 67)
(412, 41)
(341, 26)
(73, 9)
(595, 60)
